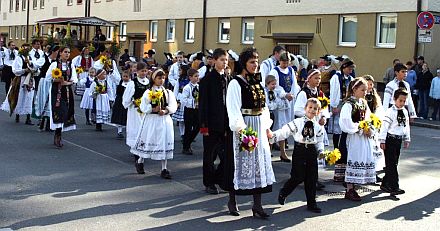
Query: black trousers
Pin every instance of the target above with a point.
(392, 154)
(191, 119)
(213, 146)
(304, 169)
(7, 76)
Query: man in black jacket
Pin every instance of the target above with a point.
(214, 120)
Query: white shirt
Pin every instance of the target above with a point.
(391, 125)
(388, 96)
(110, 92)
(74, 76)
(335, 89)
(266, 66)
(300, 104)
(127, 97)
(38, 62)
(7, 60)
(2, 55)
(173, 76)
(187, 99)
(295, 128)
(202, 71)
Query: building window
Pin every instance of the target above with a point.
(17, 32)
(23, 5)
(123, 31)
(97, 0)
(41, 30)
(137, 6)
(171, 30)
(11, 30)
(17, 5)
(55, 11)
(347, 30)
(224, 26)
(189, 30)
(386, 30)
(41, 4)
(23, 32)
(79, 2)
(153, 31)
(109, 33)
(247, 32)
(11, 5)
(35, 4)
(69, 2)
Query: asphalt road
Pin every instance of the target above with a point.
(91, 184)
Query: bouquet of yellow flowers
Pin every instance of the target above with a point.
(137, 104)
(324, 102)
(155, 96)
(100, 89)
(373, 123)
(57, 74)
(103, 59)
(23, 51)
(79, 70)
(331, 156)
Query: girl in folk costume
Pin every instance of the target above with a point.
(178, 89)
(131, 101)
(338, 89)
(63, 75)
(110, 66)
(249, 116)
(83, 63)
(21, 93)
(311, 90)
(155, 139)
(133, 70)
(87, 100)
(360, 160)
(119, 114)
(102, 94)
(375, 105)
(288, 88)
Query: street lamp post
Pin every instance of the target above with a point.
(27, 21)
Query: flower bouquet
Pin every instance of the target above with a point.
(23, 51)
(248, 140)
(155, 97)
(331, 156)
(137, 104)
(99, 89)
(373, 123)
(324, 102)
(57, 74)
(79, 70)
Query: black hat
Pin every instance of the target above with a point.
(420, 57)
(168, 56)
(151, 52)
(199, 56)
(326, 57)
(210, 53)
(339, 58)
(347, 63)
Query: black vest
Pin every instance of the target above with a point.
(358, 111)
(309, 93)
(252, 96)
(139, 89)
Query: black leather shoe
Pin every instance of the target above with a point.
(29, 122)
(259, 213)
(165, 174)
(17, 118)
(378, 179)
(319, 185)
(281, 199)
(286, 160)
(140, 168)
(314, 208)
(212, 190)
(187, 151)
(233, 209)
(397, 192)
(385, 188)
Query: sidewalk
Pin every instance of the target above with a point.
(434, 124)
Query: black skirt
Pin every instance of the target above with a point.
(228, 178)
(119, 113)
(63, 106)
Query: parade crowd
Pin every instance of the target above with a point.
(243, 108)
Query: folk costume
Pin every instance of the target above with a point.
(102, 93)
(85, 62)
(179, 114)
(390, 88)
(119, 113)
(245, 103)
(8, 61)
(190, 101)
(134, 91)
(360, 167)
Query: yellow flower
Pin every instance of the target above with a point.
(103, 59)
(363, 124)
(79, 70)
(324, 102)
(333, 156)
(377, 123)
(137, 102)
(56, 73)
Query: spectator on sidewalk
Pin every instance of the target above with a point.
(420, 60)
(423, 86)
(389, 73)
(411, 78)
(435, 95)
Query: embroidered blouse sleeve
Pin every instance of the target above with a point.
(345, 121)
(145, 106)
(92, 88)
(17, 66)
(335, 91)
(319, 138)
(172, 103)
(389, 90)
(233, 106)
(74, 77)
(300, 104)
(407, 129)
(127, 97)
(283, 133)
(49, 71)
(386, 124)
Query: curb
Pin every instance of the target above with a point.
(425, 125)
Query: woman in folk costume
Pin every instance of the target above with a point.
(63, 75)
(360, 160)
(83, 63)
(131, 100)
(21, 93)
(338, 89)
(102, 93)
(250, 171)
(87, 100)
(178, 89)
(375, 105)
(288, 88)
(155, 139)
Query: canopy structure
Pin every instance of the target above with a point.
(78, 21)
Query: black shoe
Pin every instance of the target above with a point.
(314, 208)
(212, 190)
(397, 192)
(233, 209)
(88, 122)
(165, 174)
(120, 136)
(139, 168)
(385, 188)
(378, 179)
(187, 151)
(259, 213)
(286, 160)
(319, 185)
(281, 199)
(99, 127)
(17, 118)
(29, 122)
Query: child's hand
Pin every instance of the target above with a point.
(382, 146)
(289, 97)
(322, 121)
(162, 112)
(368, 133)
(269, 133)
(156, 109)
(406, 144)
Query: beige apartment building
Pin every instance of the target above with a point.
(372, 32)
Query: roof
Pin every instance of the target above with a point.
(91, 21)
(290, 36)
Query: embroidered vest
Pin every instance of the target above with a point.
(67, 74)
(139, 89)
(252, 95)
(343, 83)
(309, 93)
(358, 111)
(86, 63)
(182, 83)
(286, 80)
(102, 85)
